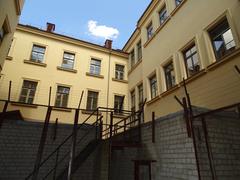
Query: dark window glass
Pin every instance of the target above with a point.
(139, 50)
(62, 96)
(119, 72)
(153, 86)
(133, 101)
(163, 15)
(191, 60)
(68, 60)
(92, 100)
(38, 53)
(132, 58)
(222, 39)
(149, 31)
(95, 66)
(28, 92)
(178, 2)
(3, 31)
(140, 96)
(169, 75)
(118, 103)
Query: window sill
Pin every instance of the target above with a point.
(225, 59)
(195, 76)
(177, 8)
(163, 24)
(90, 112)
(35, 63)
(118, 115)
(62, 109)
(66, 69)
(95, 75)
(24, 104)
(119, 80)
(134, 66)
(169, 91)
(153, 100)
(10, 58)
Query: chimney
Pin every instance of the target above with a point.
(50, 27)
(108, 44)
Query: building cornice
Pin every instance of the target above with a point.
(70, 40)
(140, 22)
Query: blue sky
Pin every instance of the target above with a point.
(90, 20)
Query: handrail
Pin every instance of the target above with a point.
(63, 142)
(89, 130)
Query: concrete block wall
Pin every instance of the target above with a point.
(19, 141)
(172, 150)
(223, 133)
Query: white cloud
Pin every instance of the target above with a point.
(102, 30)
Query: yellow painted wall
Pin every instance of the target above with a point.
(190, 21)
(16, 71)
(8, 10)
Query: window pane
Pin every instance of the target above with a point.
(222, 39)
(28, 91)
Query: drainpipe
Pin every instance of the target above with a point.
(108, 44)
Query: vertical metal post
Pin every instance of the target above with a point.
(55, 129)
(73, 145)
(42, 140)
(100, 128)
(139, 127)
(153, 127)
(97, 125)
(111, 124)
(187, 119)
(190, 113)
(210, 157)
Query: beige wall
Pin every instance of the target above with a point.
(9, 12)
(17, 70)
(190, 21)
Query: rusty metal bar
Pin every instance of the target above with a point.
(73, 145)
(210, 156)
(42, 140)
(153, 127)
(100, 128)
(96, 124)
(190, 113)
(55, 129)
(41, 144)
(139, 127)
(186, 116)
(111, 124)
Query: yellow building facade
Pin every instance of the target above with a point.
(194, 40)
(9, 16)
(40, 59)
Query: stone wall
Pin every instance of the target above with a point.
(19, 141)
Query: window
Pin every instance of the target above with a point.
(118, 103)
(119, 72)
(3, 31)
(169, 75)
(178, 2)
(191, 60)
(140, 96)
(139, 50)
(92, 100)
(38, 53)
(163, 15)
(68, 60)
(153, 86)
(149, 31)
(222, 39)
(133, 101)
(95, 66)
(132, 58)
(28, 92)
(62, 96)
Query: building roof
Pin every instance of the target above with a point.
(68, 39)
